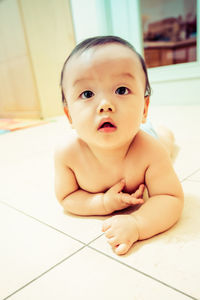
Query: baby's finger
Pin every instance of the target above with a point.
(113, 242)
(106, 225)
(122, 249)
(139, 192)
(128, 199)
(118, 187)
(109, 233)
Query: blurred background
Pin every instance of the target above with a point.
(36, 36)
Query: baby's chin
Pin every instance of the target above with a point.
(113, 145)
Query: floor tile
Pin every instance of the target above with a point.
(187, 160)
(182, 120)
(185, 124)
(195, 176)
(90, 275)
(28, 249)
(26, 143)
(28, 185)
(172, 257)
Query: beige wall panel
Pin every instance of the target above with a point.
(21, 84)
(17, 88)
(50, 37)
(12, 43)
(5, 90)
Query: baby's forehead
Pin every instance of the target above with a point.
(108, 56)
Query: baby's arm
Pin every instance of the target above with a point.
(80, 202)
(163, 209)
(157, 214)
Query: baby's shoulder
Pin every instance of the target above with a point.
(149, 147)
(67, 148)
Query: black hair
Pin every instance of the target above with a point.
(98, 41)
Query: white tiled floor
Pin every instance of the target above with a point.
(45, 254)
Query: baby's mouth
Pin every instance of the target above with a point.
(107, 125)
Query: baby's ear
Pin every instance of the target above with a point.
(146, 107)
(66, 110)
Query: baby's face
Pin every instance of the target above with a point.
(104, 88)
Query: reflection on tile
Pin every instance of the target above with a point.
(90, 275)
(172, 257)
(28, 249)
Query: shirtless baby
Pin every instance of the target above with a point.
(107, 159)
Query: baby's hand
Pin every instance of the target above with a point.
(115, 199)
(121, 232)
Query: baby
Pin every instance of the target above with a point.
(107, 159)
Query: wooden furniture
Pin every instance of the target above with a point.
(168, 53)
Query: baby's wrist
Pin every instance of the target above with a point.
(137, 226)
(104, 201)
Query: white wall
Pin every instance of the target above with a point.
(178, 92)
(107, 17)
(88, 18)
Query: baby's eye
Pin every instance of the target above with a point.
(86, 94)
(122, 90)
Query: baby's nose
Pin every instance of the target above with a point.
(105, 106)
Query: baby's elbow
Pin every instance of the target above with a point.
(60, 194)
(66, 203)
(181, 201)
(181, 196)
(63, 201)
(179, 204)
(60, 198)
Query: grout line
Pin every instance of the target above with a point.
(143, 273)
(95, 239)
(190, 175)
(52, 227)
(45, 272)
(193, 180)
(85, 246)
(41, 222)
(62, 232)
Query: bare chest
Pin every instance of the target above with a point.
(95, 178)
